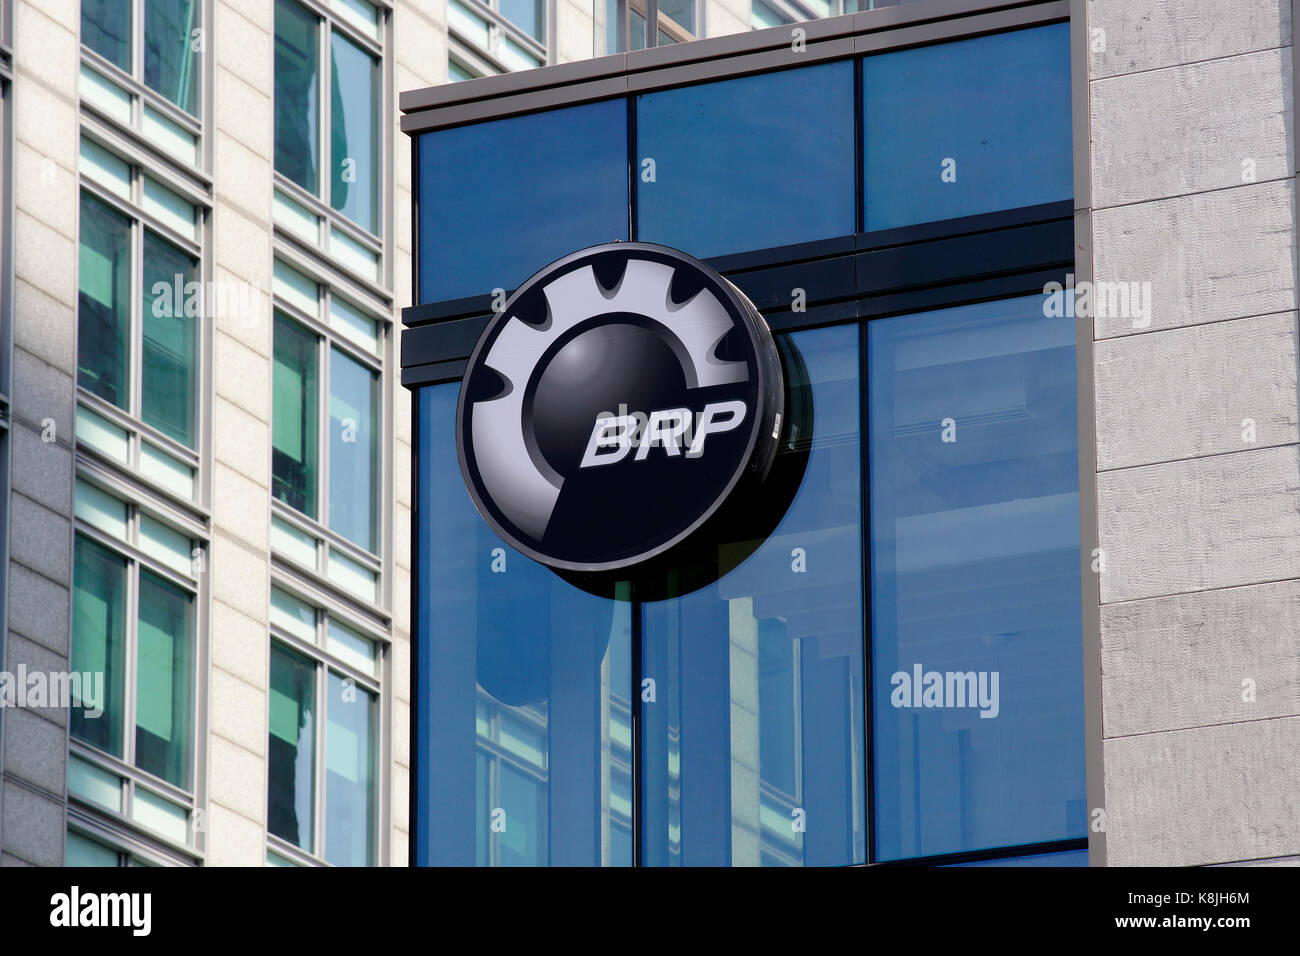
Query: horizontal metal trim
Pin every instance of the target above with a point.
(950, 295)
(788, 320)
(441, 341)
(433, 373)
(782, 255)
(447, 309)
(715, 58)
(964, 225)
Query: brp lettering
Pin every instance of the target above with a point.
(614, 435)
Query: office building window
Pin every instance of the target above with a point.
(138, 345)
(328, 138)
(624, 26)
(507, 34)
(143, 66)
(134, 640)
(323, 737)
(82, 849)
(326, 422)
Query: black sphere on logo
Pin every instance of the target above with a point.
(619, 412)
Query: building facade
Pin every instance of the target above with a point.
(223, 347)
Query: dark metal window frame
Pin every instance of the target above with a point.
(848, 279)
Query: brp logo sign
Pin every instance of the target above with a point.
(614, 405)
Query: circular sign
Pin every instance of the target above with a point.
(613, 405)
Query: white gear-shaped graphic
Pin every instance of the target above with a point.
(527, 495)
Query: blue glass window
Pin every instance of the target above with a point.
(525, 698)
(969, 127)
(749, 163)
(753, 747)
(976, 614)
(500, 200)
(1065, 858)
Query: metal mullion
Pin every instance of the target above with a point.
(135, 332)
(324, 436)
(323, 113)
(322, 717)
(321, 656)
(651, 24)
(137, 37)
(129, 669)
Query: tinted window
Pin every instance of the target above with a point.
(962, 128)
(749, 163)
(500, 200)
(753, 747)
(975, 613)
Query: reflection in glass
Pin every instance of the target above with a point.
(526, 15)
(527, 731)
(749, 163)
(104, 302)
(753, 751)
(349, 774)
(354, 457)
(106, 29)
(170, 60)
(98, 634)
(293, 416)
(969, 127)
(168, 374)
(567, 171)
(164, 681)
(297, 69)
(354, 132)
(975, 580)
(291, 749)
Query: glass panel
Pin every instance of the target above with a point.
(354, 450)
(166, 545)
(296, 289)
(99, 509)
(173, 475)
(170, 316)
(98, 624)
(158, 813)
(94, 784)
(745, 164)
(106, 29)
(101, 434)
(360, 14)
(170, 57)
(104, 302)
(1067, 858)
(515, 57)
(456, 72)
(104, 94)
(354, 132)
(526, 15)
(753, 753)
(568, 174)
(294, 616)
(164, 681)
(354, 255)
(969, 127)
(294, 411)
(506, 643)
(353, 324)
(103, 167)
(274, 859)
(352, 575)
(295, 544)
(171, 210)
(296, 110)
(80, 851)
(349, 646)
(295, 217)
(180, 143)
(349, 774)
(291, 749)
(976, 614)
(681, 12)
(761, 16)
(471, 25)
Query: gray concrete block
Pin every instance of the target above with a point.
(1207, 795)
(40, 538)
(38, 608)
(33, 826)
(41, 470)
(20, 652)
(1205, 126)
(1219, 255)
(1200, 523)
(47, 328)
(36, 750)
(1164, 396)
(42, 392)
(1177, 662)
(1149, 34)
